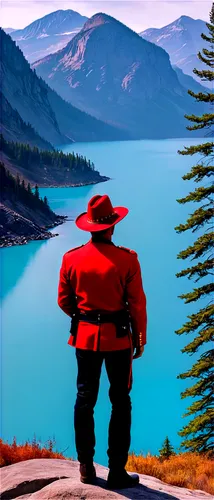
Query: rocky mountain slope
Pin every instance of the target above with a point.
(15, 129)
(48, 34)
(18, 230)
(182, 40)
(23, 216)
(52, 118)
(117, 76)
(56, 479)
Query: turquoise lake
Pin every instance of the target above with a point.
(38, 366)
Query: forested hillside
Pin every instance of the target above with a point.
(24, 215)
(49, 168)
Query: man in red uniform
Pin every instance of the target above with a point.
(100, 288)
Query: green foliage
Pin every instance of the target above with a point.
(167, 449)
(200, 247)
(198, 433)
(11, 188)
(36, 192)
(28, 157)
(205, 149)
(18, 180)
(206, 120)
(46, 201)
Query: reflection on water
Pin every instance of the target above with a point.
(14, 261)
(68, 200)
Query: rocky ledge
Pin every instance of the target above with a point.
(55, 479)
(18, 230)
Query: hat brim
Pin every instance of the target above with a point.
(83, 223)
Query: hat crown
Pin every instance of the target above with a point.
(100, 208)
(100, 215)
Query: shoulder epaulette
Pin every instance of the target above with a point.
(75, 248)
(127, 250)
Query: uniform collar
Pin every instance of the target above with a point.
(102, 240)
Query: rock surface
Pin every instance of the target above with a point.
(54, 479)
(18, 230)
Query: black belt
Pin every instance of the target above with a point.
(119, 318)
(103, 317)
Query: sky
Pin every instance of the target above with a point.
(138, 15)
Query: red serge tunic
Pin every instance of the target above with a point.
(103, 277)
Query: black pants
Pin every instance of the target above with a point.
(118, 364)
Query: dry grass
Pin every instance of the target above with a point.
(12, 453)
(187, 470)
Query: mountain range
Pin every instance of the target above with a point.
(112, 73)
(182, 40)
(30, 100)
(48, 34)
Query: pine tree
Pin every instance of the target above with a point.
(10, 189)
(27, 157)
(36, 192)
(167, 449)
(46, 201)
(198, 433)
(18, 180)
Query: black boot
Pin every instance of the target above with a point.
(87, 473)
(121, 479)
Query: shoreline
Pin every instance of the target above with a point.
(7, 241)
(80, 184)
(11, 241)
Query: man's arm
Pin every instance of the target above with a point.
(137, 305)
(66, 297)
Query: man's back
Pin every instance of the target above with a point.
(105, 278)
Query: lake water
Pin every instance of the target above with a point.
(38, 366)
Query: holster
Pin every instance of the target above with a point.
(122, 324)
(74, 323)
(119, 318)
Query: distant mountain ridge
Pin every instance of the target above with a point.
(52, 118)
(189, 82)
(9, 30)
(59, 21)
(182, 40)
(48, 34)
(115, 75)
